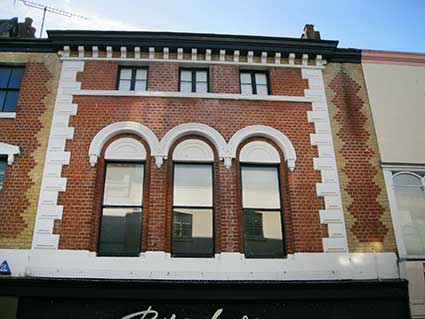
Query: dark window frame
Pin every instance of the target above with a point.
(212, 208)
(3, 158)
(7, 89)
(133, 76)
(102, 206)
(253, 80)
(193, 78)
(280, 211)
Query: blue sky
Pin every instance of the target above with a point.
(374, 24)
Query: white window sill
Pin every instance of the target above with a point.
(224, 96)
(7, 115)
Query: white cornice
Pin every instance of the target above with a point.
(223, 96)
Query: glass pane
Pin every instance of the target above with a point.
(406, 179)
(246, 89)
(260, 78)
(193, 185)
(123, 184)
(192, 232)
(125, 74)
(125, 85)
(245, 78)
(263, 233)
(2, 99)
(186, 87)
(120, 231)
(411, 208)
(11, 101)
(141, 74)
(260, 187)
(4, 77)
(140, 85)
(262, 90)
(3, 164)
(201, 87)
(186, 76)
(16, 78)
(201, 76)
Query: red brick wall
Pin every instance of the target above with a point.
(22, 131)
(224, 79)
(287, 81)
(161, 114)
(99, 75)
(163, 77)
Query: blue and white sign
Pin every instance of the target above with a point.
(4, 268)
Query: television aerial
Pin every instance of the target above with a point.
(50, 9)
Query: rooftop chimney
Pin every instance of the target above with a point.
(310, 33)
(12, 29)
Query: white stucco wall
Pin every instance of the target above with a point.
(397, 98)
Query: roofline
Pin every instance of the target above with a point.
(57, 39)
(26, 45)
(393, 57)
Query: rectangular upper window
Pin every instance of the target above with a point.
(10, 82)
(133, 79)
(3, 165)
(122, 207)
(193, 210)
(254, 82)
(194, 80)
(262, 213)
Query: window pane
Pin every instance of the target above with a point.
(141, 74)
(4, 77)
(201, 76)
(2, 99)
(192, 232)
(260, 78)
(246, 89)
(262, 90)
(16, 78)
(186, 76)
(201, 87)
(406, 180)
(125, 85)
(11, 101)
(186, 87)
(245, 78)
(3, 164)
(193, 185)
(125, 74)
(120, 232)
(123, 184)
(263, 233)
(411, 208)
(140, 85)
(260, 187)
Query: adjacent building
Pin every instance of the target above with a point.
(186, 175)
(396, 87)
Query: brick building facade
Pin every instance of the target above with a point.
(253, 160)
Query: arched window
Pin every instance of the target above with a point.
(410, 198)
(193, 208)
(262, 220)
(122, 202)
